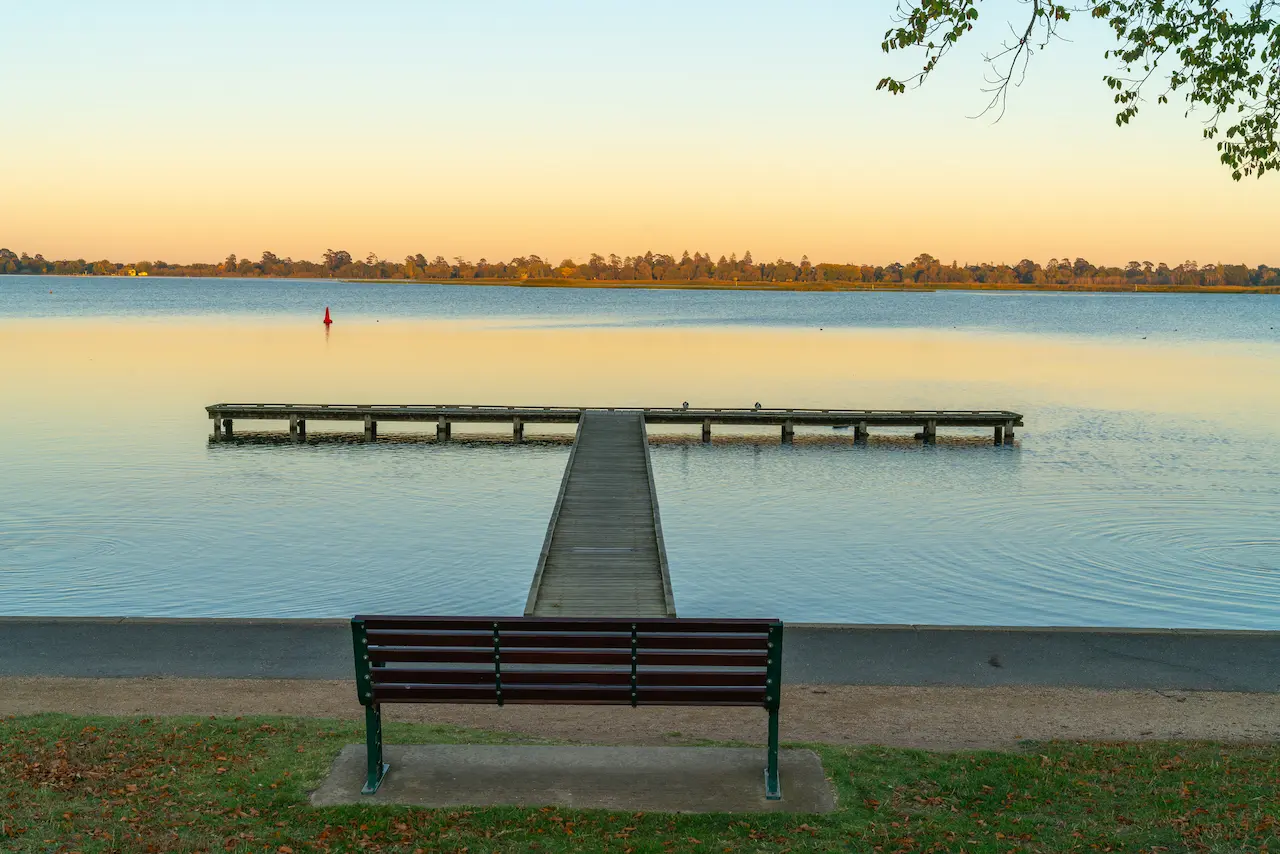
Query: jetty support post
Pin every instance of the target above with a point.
(444, 430)
(1008, 432)
(930, 434)
(706, 431)
(517, 430)
(999, 434)
(227, 431)
(860, 433)
(297, 428)
(788, 431)
(217, 429)
(370, 429)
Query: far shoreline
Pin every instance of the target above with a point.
(714, 285)
(821, 287)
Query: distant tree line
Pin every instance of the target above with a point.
(696, 267)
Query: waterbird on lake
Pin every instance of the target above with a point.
(686, 405)
(757, 404)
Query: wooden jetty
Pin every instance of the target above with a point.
(927, 422)
(603, 554)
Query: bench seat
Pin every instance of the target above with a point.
(549, 660)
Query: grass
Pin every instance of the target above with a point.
(187, 784)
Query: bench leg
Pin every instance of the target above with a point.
(772, 788)
(373, 745)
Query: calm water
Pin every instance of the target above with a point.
(1144, 490)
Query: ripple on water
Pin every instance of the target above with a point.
(1174, 557)
(977, 535)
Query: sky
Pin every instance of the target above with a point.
(185, 132)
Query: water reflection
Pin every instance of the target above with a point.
(1144, 490)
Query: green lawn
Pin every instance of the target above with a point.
(185, 784)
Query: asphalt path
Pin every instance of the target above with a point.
(963, 656)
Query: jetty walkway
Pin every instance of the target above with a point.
(603, 555)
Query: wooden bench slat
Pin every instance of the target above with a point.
(461, 624)
(515, 640)
(380, 655)
(384, 654)
(645, 678)
(599, 702)
(704, 641)
(740, 678)
(701, 658)
(435, 694)
(391, 676)
(552, 694)
(450, 676)
(508, 640)
(515, 656)
(567, 656)
(604, 694)
(708, 694)
(393, 637)
(678, 625)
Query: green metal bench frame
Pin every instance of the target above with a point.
(734, 663)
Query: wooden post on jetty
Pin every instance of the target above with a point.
(370, 429)
(517, 430)
(930, 434)
(443, 429)
(860, 433)
(788, 431)
(706, 431)
(1008, 432)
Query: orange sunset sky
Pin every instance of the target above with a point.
(493, 129)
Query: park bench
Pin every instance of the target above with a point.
(549, 660)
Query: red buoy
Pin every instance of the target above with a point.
(327, 319)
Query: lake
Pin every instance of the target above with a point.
(1144, 489)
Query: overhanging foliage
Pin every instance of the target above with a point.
(1223, 58)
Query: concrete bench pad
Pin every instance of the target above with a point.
(632, 779)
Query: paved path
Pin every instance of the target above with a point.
(814, 654)
(931, 718)
(604, 555)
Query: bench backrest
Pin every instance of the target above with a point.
(551, 661)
